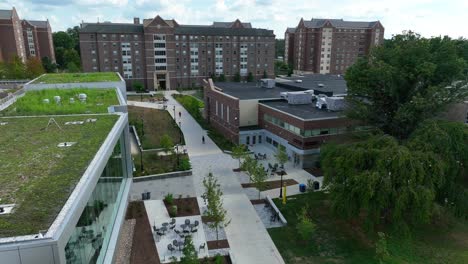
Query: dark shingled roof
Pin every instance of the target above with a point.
(111, 28)
(220, 31)
(38, 23)
(5, 14)
(291, 30)
(229, 24)
(339, 23)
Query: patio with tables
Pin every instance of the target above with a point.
(169, 233)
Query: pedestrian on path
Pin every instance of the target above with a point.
(180, 114)
(203, 139)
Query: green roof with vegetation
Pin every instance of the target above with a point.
(36, 174)
(32, 103)
(78, 77)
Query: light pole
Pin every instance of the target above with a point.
(173, 108)
(281, 187)
(141, 147)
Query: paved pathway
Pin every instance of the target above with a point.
(248, 238)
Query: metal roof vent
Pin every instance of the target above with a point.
(3, 123)
(320, 85)
(66, 144)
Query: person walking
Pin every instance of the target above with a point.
(203, 139)
(180, 114)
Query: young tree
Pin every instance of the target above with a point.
(72, 67)
(166, 143)
(16, 68)
(189, 253)
(72, 55)
(259, 176)
(238, 152)
(405, 81)
(221, 78)
(250, 77)
(213, 199)
(248, 165)
(34, 68)
(281, 155)
(48, 65)
(305, 227)
(138, 87)
(237, 77)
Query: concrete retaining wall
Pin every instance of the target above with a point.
(163, 176)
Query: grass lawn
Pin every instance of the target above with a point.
(98, 100)
(156, 124)
(37, 175)
(193, 106)
(339, 241)
(78, 77)
(154, 164)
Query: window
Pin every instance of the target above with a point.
(159, 45)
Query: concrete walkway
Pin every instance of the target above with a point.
(248, 237)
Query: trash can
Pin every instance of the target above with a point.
(316, 185)
(302, 187)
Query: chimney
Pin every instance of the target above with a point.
(136, 20)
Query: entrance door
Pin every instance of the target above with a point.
(259, 139)
(247, 140)
(162, 85)
(253, 140)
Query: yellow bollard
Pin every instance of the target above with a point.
(284, 194)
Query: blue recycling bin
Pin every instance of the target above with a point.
(302, 187)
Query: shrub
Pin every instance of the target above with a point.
(184, 164)
(305, 227)
(173, 211)
(218, 259)
(169, 198)
(381, 251)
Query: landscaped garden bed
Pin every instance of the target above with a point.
(218, 244)
(155, 124)
(78, 77)
(185, 206)
(143, 246)
(32, 103)
(258, 201)
(153, 163)
(269, 185)
(145, 97)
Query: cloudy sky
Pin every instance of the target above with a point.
(427, 17)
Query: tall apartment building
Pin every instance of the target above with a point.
(162, 54)
(330, 46)
(24, 38)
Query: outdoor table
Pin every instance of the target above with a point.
(163, 229)
(187, 221)
(183, 226)
(165, 224)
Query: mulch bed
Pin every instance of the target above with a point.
(143, 249)
(258, 201)
(269, 185)
(224, 259)
(217, 244)
(206, 219)
(185, 206)
(317, 172)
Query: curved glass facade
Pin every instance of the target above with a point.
(91, 235)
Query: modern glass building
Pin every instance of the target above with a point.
(70, 205)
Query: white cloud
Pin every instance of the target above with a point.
(428, 17)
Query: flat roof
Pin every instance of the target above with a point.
(250, 90)
(32, 103)
(303, 111)
(50, 78)
(334, 84)
(37, 174)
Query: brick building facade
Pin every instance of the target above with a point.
(24, 38)
(163, 54)
(330, 46)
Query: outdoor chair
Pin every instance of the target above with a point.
(155, 229)
(196, 223)
(170, 248)
(186, 231)
(187, 221)
(269, 166)
(177, 231)
(202, 246)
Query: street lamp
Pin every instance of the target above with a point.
(281, 187)
(177, 154)
(141, 147)
(173, 108)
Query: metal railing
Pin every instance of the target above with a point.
(11, 98)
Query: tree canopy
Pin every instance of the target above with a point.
(67, 49)
(405, 81)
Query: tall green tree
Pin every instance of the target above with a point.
(48, 65)
(215, 211)
(382, 178)
(63, 39)
(238, 152)
(405, 81)
(250, 77)
(72, 56)
(281, 156)
(259, 176)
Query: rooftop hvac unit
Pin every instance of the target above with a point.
(321, 101)
(57, 99)
(267, 83)
(296, 98)
(321, 85)
(82, 97)
(298, 81)
(335, 103)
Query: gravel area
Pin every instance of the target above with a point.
(124, 247)
(221, 251)
(265, 214)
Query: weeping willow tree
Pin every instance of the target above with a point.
(384, 180)
(449, 141)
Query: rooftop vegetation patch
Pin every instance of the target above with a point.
(78, 77)
(36, 174)
(43, 102)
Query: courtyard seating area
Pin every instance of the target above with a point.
(169, 233)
